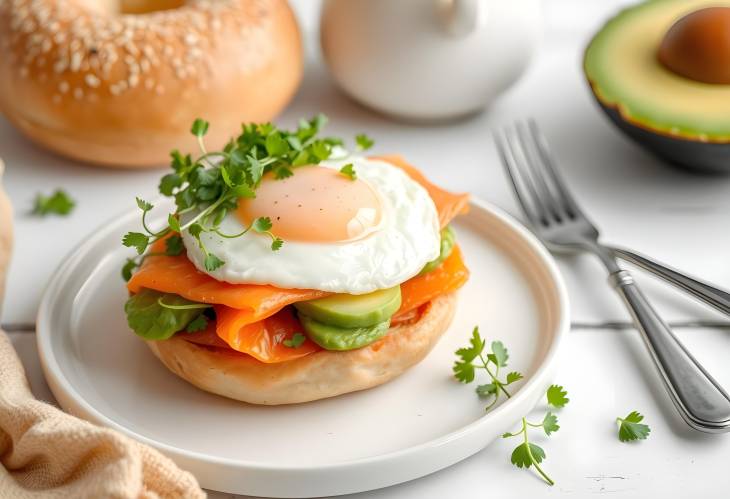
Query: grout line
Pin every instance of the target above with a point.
(20, 327)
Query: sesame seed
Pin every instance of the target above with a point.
(92, 80)
(63, 87)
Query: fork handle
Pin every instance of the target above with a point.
(711, 295)
(699, 398)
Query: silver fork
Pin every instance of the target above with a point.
(559, 222)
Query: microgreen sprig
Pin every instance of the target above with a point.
(473, 358)
(208, 187)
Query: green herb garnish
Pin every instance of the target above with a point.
(207, 187)
(58, 203)
(465, 368)
(631, 427)
(295, 341)
(349, 171)
(363, 142)
(157, 316)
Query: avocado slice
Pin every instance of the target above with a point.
(679, 118)
(340, 338)
(350, 311)
(448, 239)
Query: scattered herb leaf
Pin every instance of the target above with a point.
(58, 203)
(631, 427)
(557, 396)
(465, 368)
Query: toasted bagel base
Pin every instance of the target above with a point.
(320, 375)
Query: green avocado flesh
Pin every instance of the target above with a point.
(349, 311)
(448, 239)
(340, 338)
(622, 66)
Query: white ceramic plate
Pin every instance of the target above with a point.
(417, 424)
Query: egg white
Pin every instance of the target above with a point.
(407, 238)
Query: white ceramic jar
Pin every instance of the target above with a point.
(428, 60)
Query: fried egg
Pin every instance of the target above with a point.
(340, 235)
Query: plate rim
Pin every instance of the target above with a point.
(58, 382)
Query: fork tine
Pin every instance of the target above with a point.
(534, 163)
(506, 153)
(566, 199)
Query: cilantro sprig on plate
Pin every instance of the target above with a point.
(475, 357)
(207, 187)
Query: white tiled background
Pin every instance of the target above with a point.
(639, 202)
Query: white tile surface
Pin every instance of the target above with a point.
(637, 201)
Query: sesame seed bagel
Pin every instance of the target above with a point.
(319, 375)
(119, 82)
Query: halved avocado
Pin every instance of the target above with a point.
(675, 114)
(353, 310)
(341, 338)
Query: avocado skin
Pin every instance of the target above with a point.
(339, 338)
(705, 157)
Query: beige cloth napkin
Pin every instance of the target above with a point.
(46, 453)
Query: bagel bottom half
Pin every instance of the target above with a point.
(320, 375)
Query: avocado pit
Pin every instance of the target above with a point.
(697, 46)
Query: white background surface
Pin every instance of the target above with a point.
(639, 202)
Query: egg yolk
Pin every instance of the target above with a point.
(316, 204)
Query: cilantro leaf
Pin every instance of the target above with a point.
(349, 171)
(199, 128)
(363, 142)
(295, 341)
(262, 224)
(464, 371)
(631, 427)
(169, 182)
(136, 240)
(527, 454)
(282, 172)
(476, 346)
(487, 390)
(276, 244)
(173, 223)
(128, 268)
(557, 396)
(550, 423)
(499, 354)
(144, 205)
(212, 262)
(197, 324)
(174, 245)
(58, 203)
(195, 230)
(276, 145)
(513, 376)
